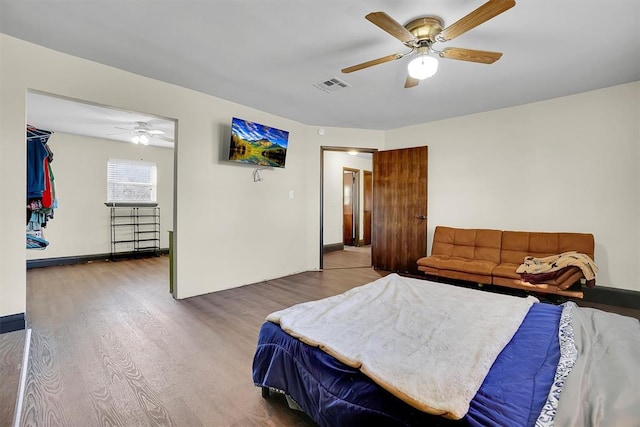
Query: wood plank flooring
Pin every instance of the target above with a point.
(111, 347)
(11, 353)
(350, 257)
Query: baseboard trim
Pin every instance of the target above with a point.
(67, 260)
(600, 294)
(138, 254)
(332, 247)
(12, 322)
(81, 259)
(612, 296)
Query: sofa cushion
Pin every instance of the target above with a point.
(443, 262)
(470, 244)
(506, 269)
(467, 277)
(516, 245)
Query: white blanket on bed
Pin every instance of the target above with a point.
(430, 344)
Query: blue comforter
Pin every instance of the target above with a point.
(333, 394)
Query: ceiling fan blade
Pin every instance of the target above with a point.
(372, 63)
(155, 132)
(390, 25)
(482, 56)
(164, 138)
(482, 14)
(411, 82)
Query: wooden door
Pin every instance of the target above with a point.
(399, 209)
(367, 206)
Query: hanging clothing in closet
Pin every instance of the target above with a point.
(41, 200)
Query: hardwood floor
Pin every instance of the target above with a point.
(349, 257)
(11, 351)
(110, 346)
(624, 311)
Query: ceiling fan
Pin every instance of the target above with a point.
(142, 133)
(422, 33)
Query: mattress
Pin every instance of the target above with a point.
(333, 394)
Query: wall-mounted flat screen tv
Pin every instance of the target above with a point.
(257, 144)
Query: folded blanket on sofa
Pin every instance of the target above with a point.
(551, 276)
(534, 265)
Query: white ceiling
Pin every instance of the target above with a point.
(58, 114)
(269, 54)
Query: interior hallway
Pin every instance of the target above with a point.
(349, 257)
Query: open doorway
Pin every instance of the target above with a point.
(86, 140)
(346, 203)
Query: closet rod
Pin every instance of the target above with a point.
(37, 137)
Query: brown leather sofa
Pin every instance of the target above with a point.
(463, 254)
(492, 256)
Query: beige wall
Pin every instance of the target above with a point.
(575, 157)
(567, 164)
(230, 231)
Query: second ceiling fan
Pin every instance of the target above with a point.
(420, 34)
(142, 133)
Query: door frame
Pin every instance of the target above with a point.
(355, 203)
(366, 187)
(322, 150)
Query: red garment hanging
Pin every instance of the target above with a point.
(47, 197)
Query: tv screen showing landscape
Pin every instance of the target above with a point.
(257, 144)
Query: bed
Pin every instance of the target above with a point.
(521, 373)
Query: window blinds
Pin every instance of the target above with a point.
(131, 181)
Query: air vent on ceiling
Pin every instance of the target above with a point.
(332, 85)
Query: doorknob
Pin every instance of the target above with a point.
(421, 217)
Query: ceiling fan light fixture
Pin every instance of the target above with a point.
(140, 139)
(423, 67)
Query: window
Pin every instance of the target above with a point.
(131, 181)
